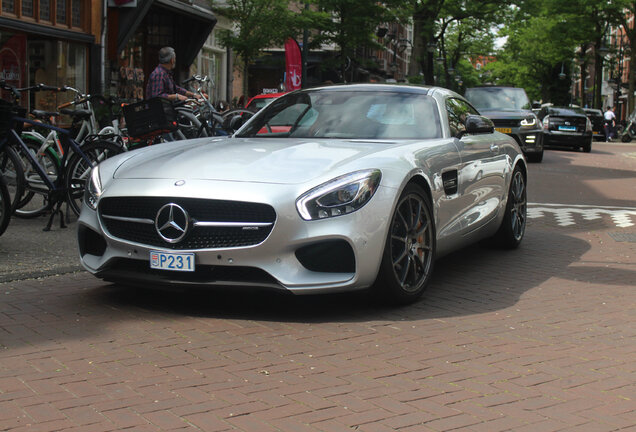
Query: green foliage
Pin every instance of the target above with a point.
(542, 38)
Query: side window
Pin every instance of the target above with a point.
(458, 110)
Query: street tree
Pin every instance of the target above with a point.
(258, 24)
(352, 28)
(431, 19)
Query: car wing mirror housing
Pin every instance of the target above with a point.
(476, 124)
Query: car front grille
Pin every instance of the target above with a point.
(506, 122)
(212, 223)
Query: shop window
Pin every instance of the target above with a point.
(60, 16)
(55, 63)
(76, 13)
(27, 8)
(8, 6)
(45, 10)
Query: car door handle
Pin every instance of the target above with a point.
(494, 148)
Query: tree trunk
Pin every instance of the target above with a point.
(419, 49)
(598, 80)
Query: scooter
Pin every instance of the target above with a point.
(629, 132)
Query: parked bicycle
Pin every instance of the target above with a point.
(199, 118)
(5, 205)
(50, 192)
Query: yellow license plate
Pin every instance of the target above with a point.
(504, 130)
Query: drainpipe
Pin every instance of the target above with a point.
(102, 48)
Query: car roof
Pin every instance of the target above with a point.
(565, 110)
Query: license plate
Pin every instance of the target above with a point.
(504, 130)
(172, 261)
(567, 128)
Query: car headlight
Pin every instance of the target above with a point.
(546, 122)
(588, 125)
(340, 196)
(93, 189)
(529, 122)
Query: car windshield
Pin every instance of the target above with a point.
(347, 114)
(498, 98)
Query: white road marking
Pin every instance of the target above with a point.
(565, 214)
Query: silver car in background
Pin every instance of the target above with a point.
(324, 190)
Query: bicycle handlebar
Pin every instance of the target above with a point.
(44, 87)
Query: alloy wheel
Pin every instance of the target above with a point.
(411, 242)
(518, 209)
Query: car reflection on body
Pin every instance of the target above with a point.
(363, 186)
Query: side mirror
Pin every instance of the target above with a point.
(236, 122)
(536, 105)
(476, 124)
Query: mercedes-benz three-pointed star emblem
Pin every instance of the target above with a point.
(172, 223)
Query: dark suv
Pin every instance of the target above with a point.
(510, 111)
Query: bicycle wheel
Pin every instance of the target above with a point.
(77, 170)
(13, 173)
(5, 205)
(189, 124)
(47, 158)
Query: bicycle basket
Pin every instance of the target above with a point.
(7, 112)
(150, 117)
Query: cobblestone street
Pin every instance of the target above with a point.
(539, 339)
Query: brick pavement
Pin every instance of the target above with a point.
(541, 338)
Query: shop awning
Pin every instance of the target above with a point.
(54, 32)
(194, 22)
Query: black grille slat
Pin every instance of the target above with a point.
(506, 122)
(198, 237)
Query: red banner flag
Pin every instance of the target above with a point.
(293, 65)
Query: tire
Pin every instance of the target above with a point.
(5, 206)
(513, 226)
(78, 169)
(626, 138)
(11, 169)
(587, 147)
(48, 159)
(409, 252)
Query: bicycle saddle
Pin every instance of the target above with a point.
(76, 114)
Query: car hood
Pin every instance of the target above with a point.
(264, 160)
(505, 114)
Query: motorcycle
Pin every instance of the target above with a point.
(629, 131)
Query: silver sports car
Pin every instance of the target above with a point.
(326, 189)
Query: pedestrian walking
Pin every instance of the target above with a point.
(609, 123)
(161, 82)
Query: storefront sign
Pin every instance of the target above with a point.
(13, 60)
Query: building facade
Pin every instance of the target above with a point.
(55, 42)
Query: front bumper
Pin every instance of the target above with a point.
(530, 141)
(335, 254)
